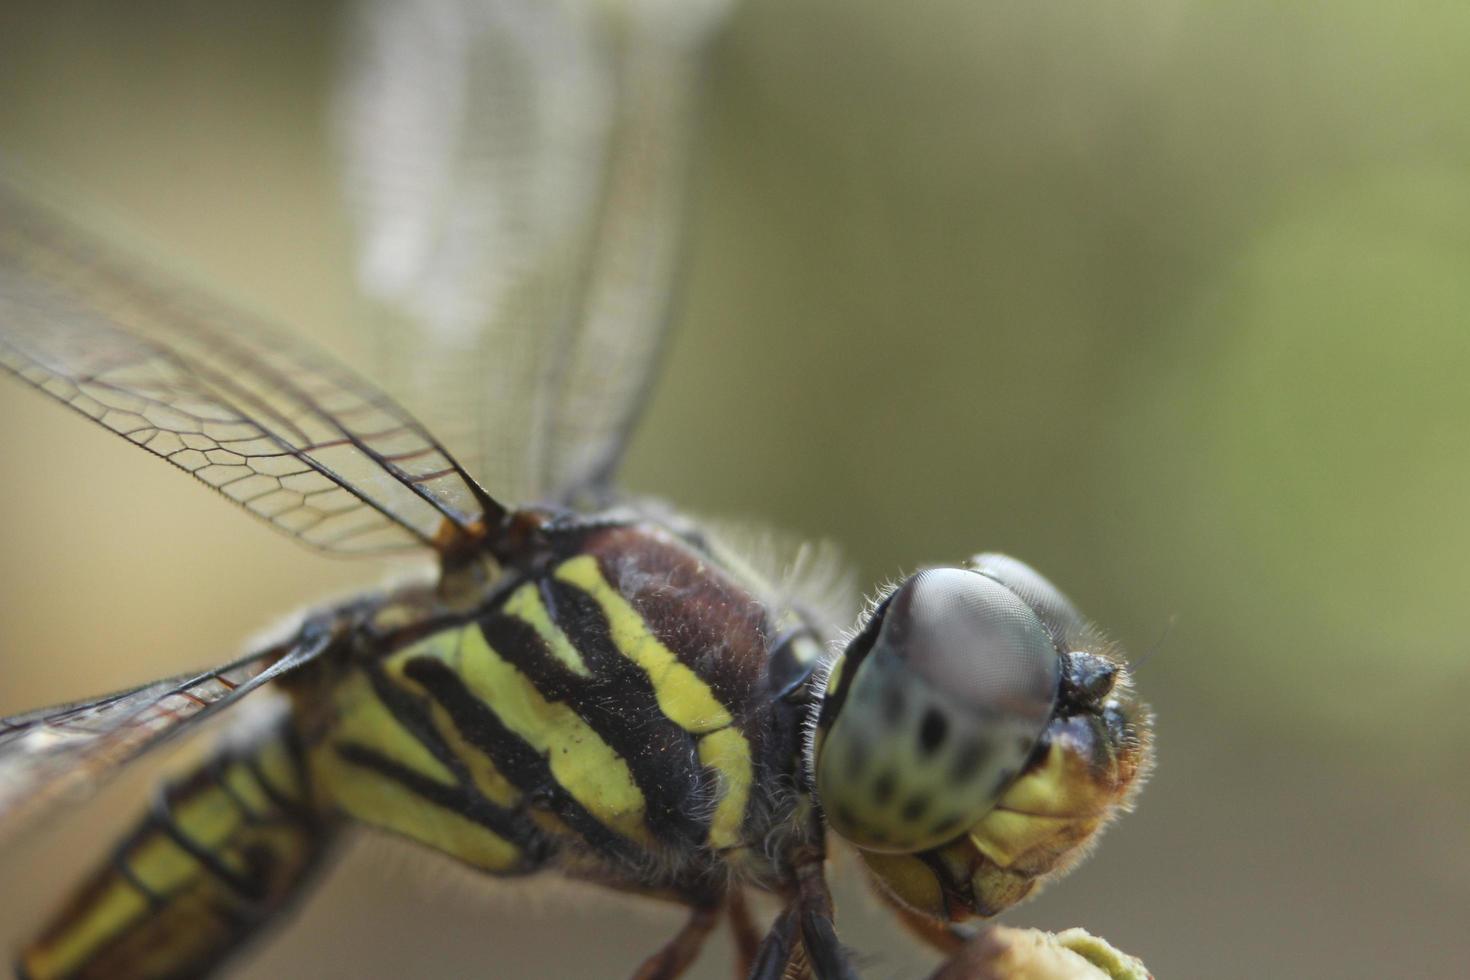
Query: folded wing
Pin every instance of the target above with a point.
(517, 173)
(282, 430)
(52, 753)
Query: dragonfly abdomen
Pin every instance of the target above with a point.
(218, 854)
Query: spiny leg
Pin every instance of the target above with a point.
(799, 968)
(780, 956)
(678, 953)
(809, 912)
(776, 950)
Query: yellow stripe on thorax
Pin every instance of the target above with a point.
(683, 696)
(585, 766)
(377, 800)
(488, 779)
(728, 754)
(390, 806)
(525, 604)
(362, 719)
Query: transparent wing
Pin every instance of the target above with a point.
(516, 172)
(55, 753)
(291, 436)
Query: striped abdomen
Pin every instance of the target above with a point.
(216, 857)
(610, 713)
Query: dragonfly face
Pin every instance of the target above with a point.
(589, 687)
(975, 737)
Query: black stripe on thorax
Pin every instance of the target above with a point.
(712, 623)
(412, 713)
(617, 701)
(534, 846)
(517, 761)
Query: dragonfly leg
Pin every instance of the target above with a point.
(678, 953)
(743, 929)
(775, 956)
(818, 934)
(809, 914)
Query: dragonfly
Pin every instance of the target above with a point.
(589, 684)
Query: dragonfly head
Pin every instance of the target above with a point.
(974, 737)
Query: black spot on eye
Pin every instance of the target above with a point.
(857, 758)
(932, 731)
(893, 704)
(971, 757)
(946, 826)
(914, 808)
(883, 788)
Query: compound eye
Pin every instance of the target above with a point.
(1058, 615)
(941, 713)
(973, 637)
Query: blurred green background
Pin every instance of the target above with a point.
(1171, 299)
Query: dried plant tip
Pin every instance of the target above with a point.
(1001, 953)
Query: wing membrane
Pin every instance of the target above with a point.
(291, 436)
(516, 171)
(48, 755)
